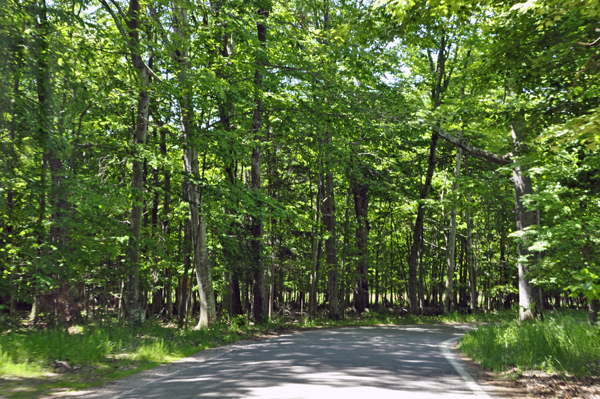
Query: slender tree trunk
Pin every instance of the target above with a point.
(11, 166)
(470, 263)
(315, 248)
(182, 299)
(133, 307)
(192, 192)
(258, 273)
(413, 260)
(330, 244)
(43, 118)
(361, 285)
(525, 219)
(344, 250)
(166, 222)
(593, 310)
(441, 85)
(451, 243)
(421, 277)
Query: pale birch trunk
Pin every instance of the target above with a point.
(525, 219)
(193, 192)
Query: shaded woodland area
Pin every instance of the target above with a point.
(210, 159)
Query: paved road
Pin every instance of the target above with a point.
(359, 362)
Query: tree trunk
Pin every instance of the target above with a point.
(330, 245)
(470, 263)
(132, 37)
(361, 285)
(258, 273)
(421, 277)
(413, 260)
(166, 222)
(43, 120)
(192, 192)
(134, 311)
(315, 248)
(451, 244)
(182, 296)
(11, 166)
(343, 301)
(525, 219)
(593, 310)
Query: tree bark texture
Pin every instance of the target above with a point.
(43, 118)
(260, 309)
(525, 219)
(451, 245)
(193, 192)
(133, 308)
(413, 260)
(315, 251)
(330, 246)
(182, 295)
(470, 262)
(344, 250)
(361, 284)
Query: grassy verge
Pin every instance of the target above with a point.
(37, 362)
(564, 342)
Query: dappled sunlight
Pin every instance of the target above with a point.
(380, 362)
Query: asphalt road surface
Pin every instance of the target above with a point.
(358, 362)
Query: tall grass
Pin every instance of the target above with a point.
(30, 353)
(561, 343)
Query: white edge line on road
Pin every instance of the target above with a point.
(451, 357)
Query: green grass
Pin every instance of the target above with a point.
(561, 343)
(96, 354)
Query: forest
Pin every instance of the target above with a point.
(196, 161)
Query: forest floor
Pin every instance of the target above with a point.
(51, 363)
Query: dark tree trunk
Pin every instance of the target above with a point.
(343, 300)
(361, 285)
(413, 260)
(330, 246)
(316, 250)
(132, 37)
(260, 309)
(182, 295)
(236, 302)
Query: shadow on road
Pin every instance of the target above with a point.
(366, 362)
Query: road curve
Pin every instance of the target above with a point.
(376, 362)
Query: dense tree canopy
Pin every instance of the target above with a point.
(327, 155)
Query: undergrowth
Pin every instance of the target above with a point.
(562, 343)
